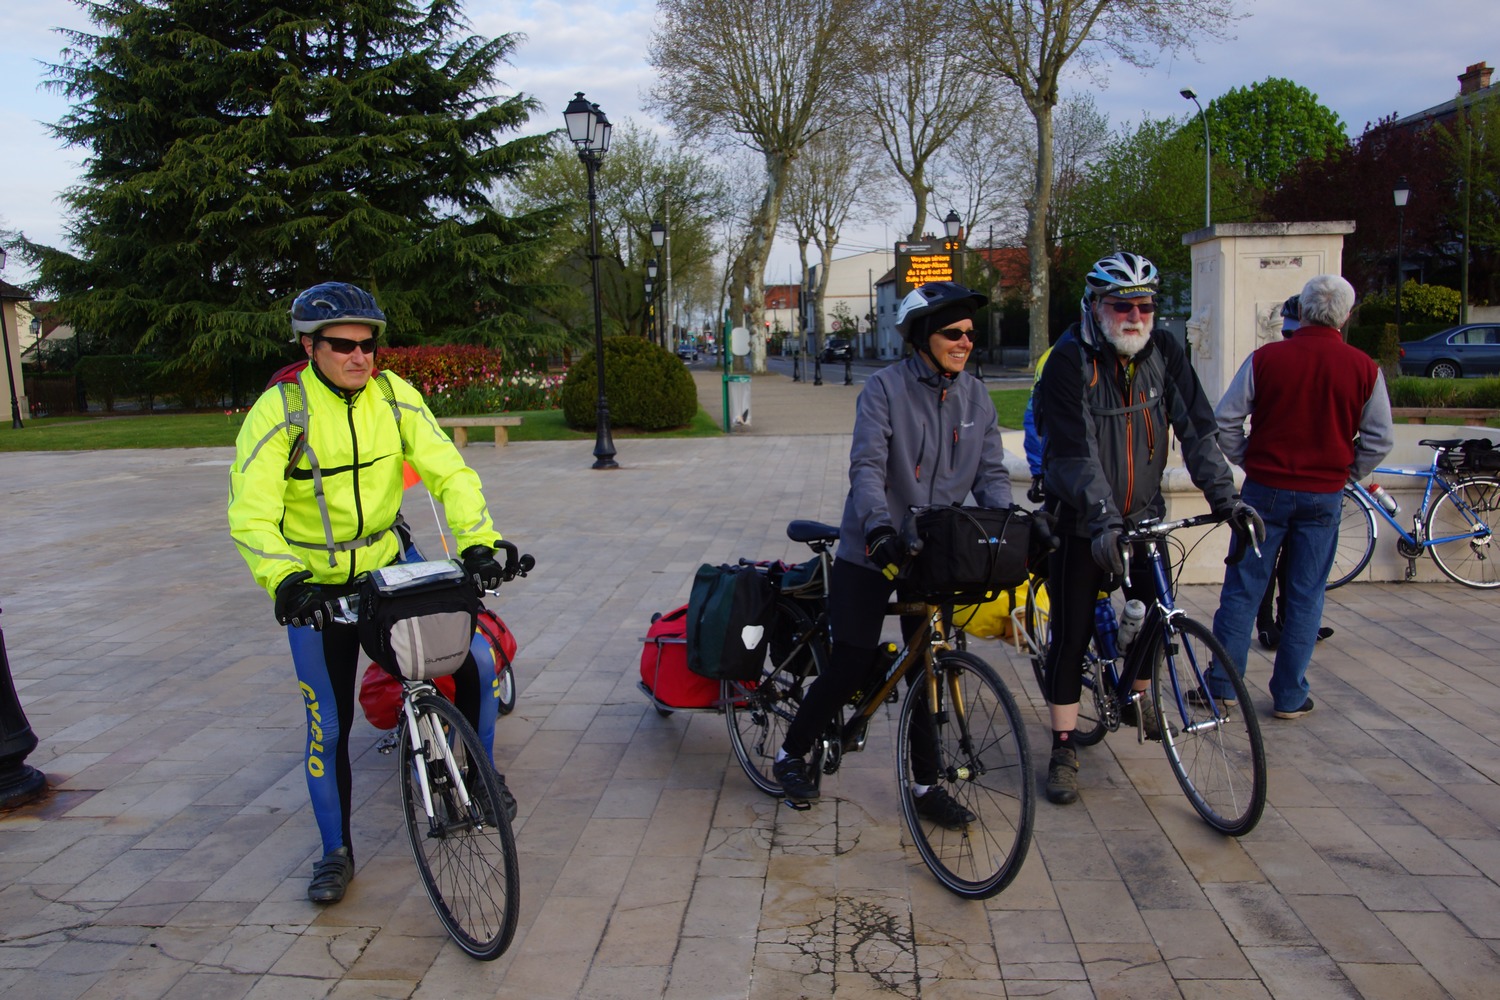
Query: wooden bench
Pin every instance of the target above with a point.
(1470, 416)
(498, 421)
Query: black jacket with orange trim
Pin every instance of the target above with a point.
(1104, 421)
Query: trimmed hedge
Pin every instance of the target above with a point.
(1414, 390)
(647, 387)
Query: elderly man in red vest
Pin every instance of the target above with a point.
(1319, 415)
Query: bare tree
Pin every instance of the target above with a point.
(1029, 42)
(981, 170)
(833, 179)
(919, 91)
(759, 73)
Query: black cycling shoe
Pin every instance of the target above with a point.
(943, 809)
(331, 876)
(796, 783)
(511, 808)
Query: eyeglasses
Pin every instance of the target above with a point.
(954, 335)
(342, 345)
(1123, 308)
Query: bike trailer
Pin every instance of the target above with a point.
(665, 676)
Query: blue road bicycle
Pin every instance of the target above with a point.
(1452, 524)
(1213, 744)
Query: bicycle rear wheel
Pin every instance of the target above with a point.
(1470, 510)
(1216, 752)
(1038, 624)
(759, 713)
(505, 689)
(1356, 541)
(984, 763)
(466, 855)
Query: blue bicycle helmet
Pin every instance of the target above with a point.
(334, 302)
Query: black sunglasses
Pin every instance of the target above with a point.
(949, 333)
(1146, 308)
(342, 345)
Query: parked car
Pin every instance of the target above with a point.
(687, 352)
(1458, 351)
(835, 349)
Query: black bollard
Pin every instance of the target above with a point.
(19, 782)
(849, 368)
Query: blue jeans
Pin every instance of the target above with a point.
(1307, 526)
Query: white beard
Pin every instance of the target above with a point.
(1127, 345)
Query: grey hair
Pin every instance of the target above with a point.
(1327, 300)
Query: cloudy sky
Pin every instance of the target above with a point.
(1363, 58)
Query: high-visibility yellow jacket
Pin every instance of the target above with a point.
(333, 512)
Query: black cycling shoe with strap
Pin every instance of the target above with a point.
(796, 783)
(943, 809)
(331, 876)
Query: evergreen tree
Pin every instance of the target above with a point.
(241, 150)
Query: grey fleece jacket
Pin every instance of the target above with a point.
(919, 439)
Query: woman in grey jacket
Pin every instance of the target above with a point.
(925, 432)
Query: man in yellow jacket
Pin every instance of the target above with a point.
(314, 501)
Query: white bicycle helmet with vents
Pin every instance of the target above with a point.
(918, 313)
(334, 302)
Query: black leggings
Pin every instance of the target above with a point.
(1073, 585)
(856, 612)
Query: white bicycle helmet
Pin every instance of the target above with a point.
(334, 302)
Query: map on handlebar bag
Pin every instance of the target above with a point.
(404, 576)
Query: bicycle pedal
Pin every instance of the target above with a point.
(387, 743)
(801, 805)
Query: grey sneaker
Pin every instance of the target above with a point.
(796, 782)
(1062, 776)
(1150, 721)
(1296, 713)
(331, 876)
(1198, 699)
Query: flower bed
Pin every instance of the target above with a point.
(459, 380)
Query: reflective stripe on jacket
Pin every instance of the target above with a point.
(333, 514)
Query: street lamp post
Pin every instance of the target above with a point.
(652, 270)
(1400, 194)
(10, 365)
(1188, 93)
(661, 238)
(589, 130)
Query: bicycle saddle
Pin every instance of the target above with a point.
(1443, 445)
(811, 531)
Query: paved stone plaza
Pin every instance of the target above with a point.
(170, 858)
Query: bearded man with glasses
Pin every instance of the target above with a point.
(1112, 389)
(315, 501)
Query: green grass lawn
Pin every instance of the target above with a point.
(1010, 406)
(215, 430)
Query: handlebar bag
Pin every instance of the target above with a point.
(968, 554)
(416, 619)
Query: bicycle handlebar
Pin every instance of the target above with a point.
(345, 610)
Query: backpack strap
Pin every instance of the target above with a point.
(295, 410)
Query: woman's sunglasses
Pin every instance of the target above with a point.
(342, 345)
(954, 335)
(1123, 308)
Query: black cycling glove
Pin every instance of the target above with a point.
(885, 549)
(1105, 549)
(300, 603)
(1038, 491)
(1246, 523)
(481, 567)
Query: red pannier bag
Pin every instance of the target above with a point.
(380, 693)
(664, 671)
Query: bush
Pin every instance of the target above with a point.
(646, 386)
(1411, 390)
(1419, 304)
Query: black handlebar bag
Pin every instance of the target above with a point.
(967, 555)
(417, 619)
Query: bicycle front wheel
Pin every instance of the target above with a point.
(466, 854)
(758, 713)
(983, 762)
(1215, 751)
(1356, 541)
(1468, 511)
